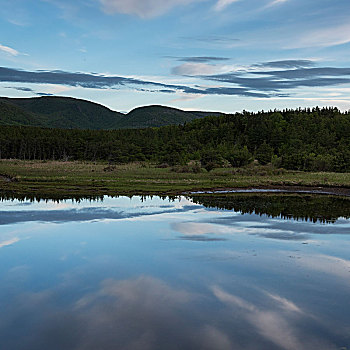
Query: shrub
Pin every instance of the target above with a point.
(239, 157)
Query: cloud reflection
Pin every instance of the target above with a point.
(9, 242)
(232, 225)
(282, 329)
(147, 313)
(140, 313)
(85, 214)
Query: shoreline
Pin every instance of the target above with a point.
(258, 190)
(319, 190)
(87, 179)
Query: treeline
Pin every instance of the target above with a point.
(304, 139)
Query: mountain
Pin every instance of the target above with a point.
(155, 116)
(61, 112)
(11, 114)
(71, 113)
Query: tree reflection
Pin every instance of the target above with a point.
(308, 207)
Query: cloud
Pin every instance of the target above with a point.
(26, 89)
(202, 59)
(201, 239)
(9, 50)
(248, 81)
(302, 73)
(193, 69)
(221, 4)
(20, 88)
(93, 81)
(258, 81)
(44, 94)
(275, 2)
(215, 40)
(325, 37)
(279, 80)
(142, 8)
(286, 64)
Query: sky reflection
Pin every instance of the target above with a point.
(124, 274)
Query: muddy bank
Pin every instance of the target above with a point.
(339, 191)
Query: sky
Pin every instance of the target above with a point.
(213, 55)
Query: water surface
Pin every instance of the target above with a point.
(262, 272)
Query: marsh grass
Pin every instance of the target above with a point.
(52, 177)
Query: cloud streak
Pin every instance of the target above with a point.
(275, 2)
(222, 4)
(93, 81)
(142, 8)
(325, 37)
(263, 80)
(285, 79)
(286, 64)
(202, 59)
(9, 50)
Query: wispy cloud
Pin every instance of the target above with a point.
(192, 69)
(200, 59)
(279, 80)
(142, 8)
(9, 50)
(20, 88)
(286, 64)
(325, 37)
(221, 4)
(27, 89)
(276, 2)
(215, 40)
(302, 73)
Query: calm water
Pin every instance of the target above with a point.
(157, 274)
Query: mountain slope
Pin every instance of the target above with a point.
(68, 113)
(155, 116)
(71, 113)
(13, 115)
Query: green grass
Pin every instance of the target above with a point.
(87, 178)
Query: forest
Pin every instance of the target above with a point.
(303, 139)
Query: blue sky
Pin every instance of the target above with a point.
(219, 55)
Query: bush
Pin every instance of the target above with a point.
(264, 153)
(239, 157)
(210, 159)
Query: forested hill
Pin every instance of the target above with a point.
(71, 113)
(317, 139)
(60, 112)
(155, 116)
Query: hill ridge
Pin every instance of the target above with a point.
(74, 113)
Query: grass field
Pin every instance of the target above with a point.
(56, 178)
